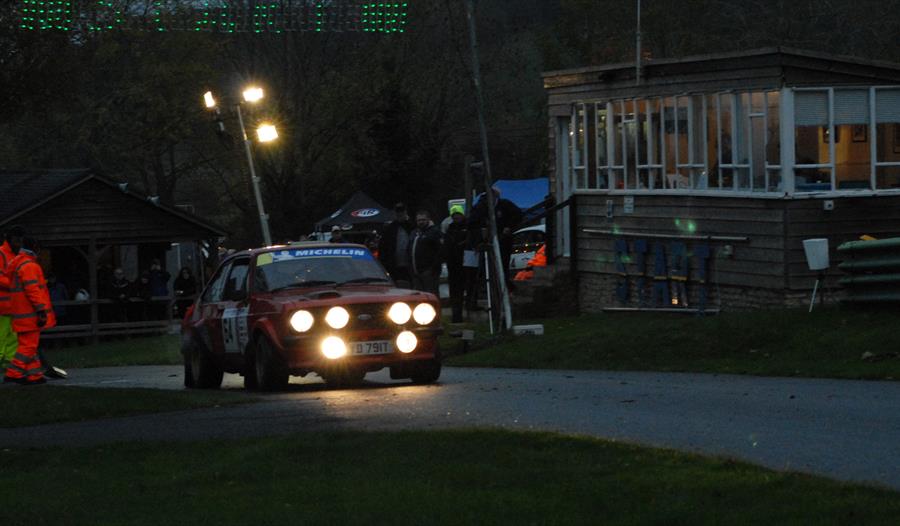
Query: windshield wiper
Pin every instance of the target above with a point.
(370, 279)
(304, 284)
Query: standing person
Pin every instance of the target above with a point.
(58, 292)
(140, 296)
(425, 254)
(118, 290)
(394, 249)
(372, 243)
(32, 312)
(159, 286)
(508, 216)
(8, 250)
(185, 288)
(337, 235)
(455, 243)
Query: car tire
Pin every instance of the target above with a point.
(249, 372)
(188, 372)
(350, 377)
(201, 371)
(270, 372)
(426, 372)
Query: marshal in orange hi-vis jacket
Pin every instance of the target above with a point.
(31, 312)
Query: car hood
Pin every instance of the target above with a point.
(348, 295)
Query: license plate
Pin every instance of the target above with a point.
(373, 347)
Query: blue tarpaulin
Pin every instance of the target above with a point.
(525, 193)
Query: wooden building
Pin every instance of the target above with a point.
(697, 184)
(88, 225)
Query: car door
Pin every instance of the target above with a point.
(233, 309)
(207, 328)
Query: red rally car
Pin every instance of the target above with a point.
(325, 308)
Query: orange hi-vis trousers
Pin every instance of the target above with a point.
(25, 363)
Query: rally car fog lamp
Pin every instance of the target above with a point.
(337, 317)
(424, 313)
(399, 313)
(333, 347)
(302, 321)
(406, 342)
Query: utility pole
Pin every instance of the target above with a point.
(637, 62)
(500, 272)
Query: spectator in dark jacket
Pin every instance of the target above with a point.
(394, 249)
(508, 217)
(58, 293)
(185, 289)
(159, 279)
(455, 243)
(159, 286)
(119, 290)
(141, 308)
(425, 253)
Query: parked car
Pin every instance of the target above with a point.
(329, 309)
(526, 241)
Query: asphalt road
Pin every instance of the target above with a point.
(847, 430)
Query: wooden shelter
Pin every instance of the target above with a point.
(89, 224)
(697, 184)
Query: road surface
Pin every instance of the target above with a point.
(847, 430)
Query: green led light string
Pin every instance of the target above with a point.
(221, 16)
(44, 15)
(384, 17)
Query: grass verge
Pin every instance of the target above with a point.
(148, 350)
(826, 343)
(51, 404)
(453, 477)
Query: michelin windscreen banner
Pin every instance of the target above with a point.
(352, 253)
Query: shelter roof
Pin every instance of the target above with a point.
(789, 66)
(25, 191)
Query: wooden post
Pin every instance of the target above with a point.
(92, 280)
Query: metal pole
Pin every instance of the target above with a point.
(488, 291)
(263, 217)
(488, 194)
(638, 46)
(813, 300)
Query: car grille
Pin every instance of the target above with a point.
(367, 316)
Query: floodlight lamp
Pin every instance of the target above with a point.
(209, 100)
(266, 133)
(253, 94)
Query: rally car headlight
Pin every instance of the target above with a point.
(337, 317)
(406, 342)
(302, 321)
(424, 313)
(333, 347)
(399, 313)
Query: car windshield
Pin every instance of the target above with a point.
(317, 266)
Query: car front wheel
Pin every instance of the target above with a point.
(426, 372)
(271, 374)
(200, 370)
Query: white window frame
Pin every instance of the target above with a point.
(787, 130)
(873, 133)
